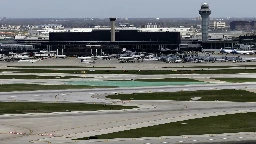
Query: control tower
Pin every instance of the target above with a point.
(113, 29)
(205, 12)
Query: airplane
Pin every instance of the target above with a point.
(249, 59)
(19, 57)
(103, 57)
(220, 60)
(244, 52)
(28, 60)
(151, 59)
(87, 61)
(178, 61)
(126, 58)
(61, 56)
(227, 51)
(84, 58)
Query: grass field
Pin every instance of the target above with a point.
(34, 77)
(202, 67)
(241, 66)
(235, 123)
(168, 80)
(34, 87)
(33, 107)
(236, 80)
(57, 67)
(206, 95)
(142, 72)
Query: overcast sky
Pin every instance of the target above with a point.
(123, 8)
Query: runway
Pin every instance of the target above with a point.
(63, 127)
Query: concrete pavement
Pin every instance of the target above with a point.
(63, 127)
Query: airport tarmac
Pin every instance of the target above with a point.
(62, 127)
(145, 65)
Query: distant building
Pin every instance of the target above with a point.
(51, 26)
(243, 25)
(217, 25)
(151, 25)
(126, 25)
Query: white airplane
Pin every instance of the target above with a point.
(126, 58)
(244, 52)
(61, 56)
(178, 61)
(220, 60)
(249, 59)
(28, 60)
(136, 56)
(103, 57)
(151, 58)
(87, 61)
(227, 51)
(18, 57)
(84, 58)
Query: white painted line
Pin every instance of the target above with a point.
(240, 137)
(211, 139)
(194, 140)
(180, 141)
(224, 138)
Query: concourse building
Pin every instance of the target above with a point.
(101, 41)
(98, 42)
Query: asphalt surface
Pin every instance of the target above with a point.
(64, 126)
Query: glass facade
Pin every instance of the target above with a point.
(122, 35)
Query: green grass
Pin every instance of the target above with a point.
(142, 72)
(33, 107)
(206, 95)
(236, 80)
(34, 77)
(168, 80)
(162, 80)
(241, 66)
(57, 67)
(202, 67)
(34, 87)
(233, 123)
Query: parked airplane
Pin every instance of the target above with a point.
(126, 58)
(249, 59)
(87, 61)
(244, 52)
(178, 61)
(84, 58)
(227, 51)
(19, 57)
(61, 56)
(29, 60)
(103, 57)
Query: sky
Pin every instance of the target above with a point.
(123, 8)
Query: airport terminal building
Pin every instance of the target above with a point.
(98, 41)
